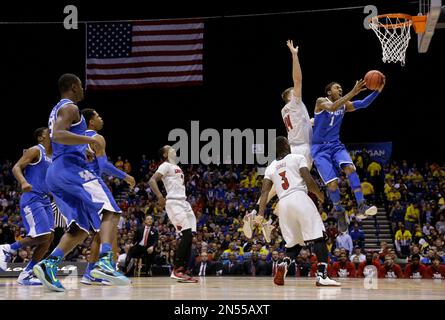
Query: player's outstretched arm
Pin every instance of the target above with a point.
(311, 184)
(153, 182)
(362, 104)
(325, 104)
(30, 156)
(267, 185)
(296, 69)
(60, 132)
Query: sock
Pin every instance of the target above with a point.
(58, 253)
(184, 249)
(90, 266)
(354, 182)
(105, 248)
(16, 245)
(31, 264)
(335, 198)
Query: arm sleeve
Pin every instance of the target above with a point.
(106, 167)
(361, 104)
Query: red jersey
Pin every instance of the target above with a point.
(432, 273)
(346, 270)
(415, 273)
(362, 266)
(394, 272)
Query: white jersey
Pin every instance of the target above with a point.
(173, 180)
(285, 174)
(297, 122)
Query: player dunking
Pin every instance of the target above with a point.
(299, 131)
(329, 153)
(300, 221)
(178, 209)
(99, 165)
(76, 190)
(35, 206)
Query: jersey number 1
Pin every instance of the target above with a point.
(285, 184)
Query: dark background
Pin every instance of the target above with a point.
(246, 67)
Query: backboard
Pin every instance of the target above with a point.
(435, 12)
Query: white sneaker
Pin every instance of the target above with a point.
(5, 256)
(248, 223)
(267, 230)
(27, 278)
(371, 211)
(326, 282)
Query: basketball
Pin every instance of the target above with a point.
(374, 79)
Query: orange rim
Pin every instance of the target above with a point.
(407, 18)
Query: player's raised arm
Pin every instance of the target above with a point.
(311, 184)
(296, 69)
(267, 185)
(326, 104)
(362, 104)
(105, 165)
(153, 182)
(60, 132)
(28, 157)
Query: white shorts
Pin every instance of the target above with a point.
(181, 214)
(299, 219)
(304, 150)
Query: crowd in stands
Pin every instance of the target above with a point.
(221, 195)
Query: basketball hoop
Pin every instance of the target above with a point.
(393, 31)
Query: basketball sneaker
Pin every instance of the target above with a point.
(326, 282)
(5, 256)
(363, 208)
(103, 269)
(182, 276)
(267, 228)
(89, 280)
(248, 223)
(46, 271)
(281, 272)
(27, 278)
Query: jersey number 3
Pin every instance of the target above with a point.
(285, 184)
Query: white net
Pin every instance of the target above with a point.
(394, 35)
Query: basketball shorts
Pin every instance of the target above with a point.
(79, 193)
(181, 214)
(329, 158)
(299, 220)
(37, 214)
(304, 150)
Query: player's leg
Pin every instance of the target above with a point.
(181, 215)
(93, 258)
(343, 159)
(312, 229)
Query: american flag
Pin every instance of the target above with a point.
(123, 55)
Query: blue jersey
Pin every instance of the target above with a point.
(77, 128)
(327, 125)
(94, 164)
(35, 173)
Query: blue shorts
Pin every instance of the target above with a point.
(328, 158)
(37, 214)
(79, 193)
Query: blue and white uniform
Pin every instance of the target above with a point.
(328, 152)
(77, 191)
(35, 206)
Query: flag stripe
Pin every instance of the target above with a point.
(136, 70)
(145, 80)
(146, 85)
(166, 42)
(173, 63)
(145, 59)
(144, 75)
(168, 27)
(167, 22)
(168, 37)
(165, 53)
(197, 46)
(167, 32)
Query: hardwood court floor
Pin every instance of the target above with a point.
(231, 288)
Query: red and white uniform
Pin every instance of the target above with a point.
(433, 273)
(178, 209)
(415, 273)
(299, 218)
(346, 270)
(395, 271)
(299, 128)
